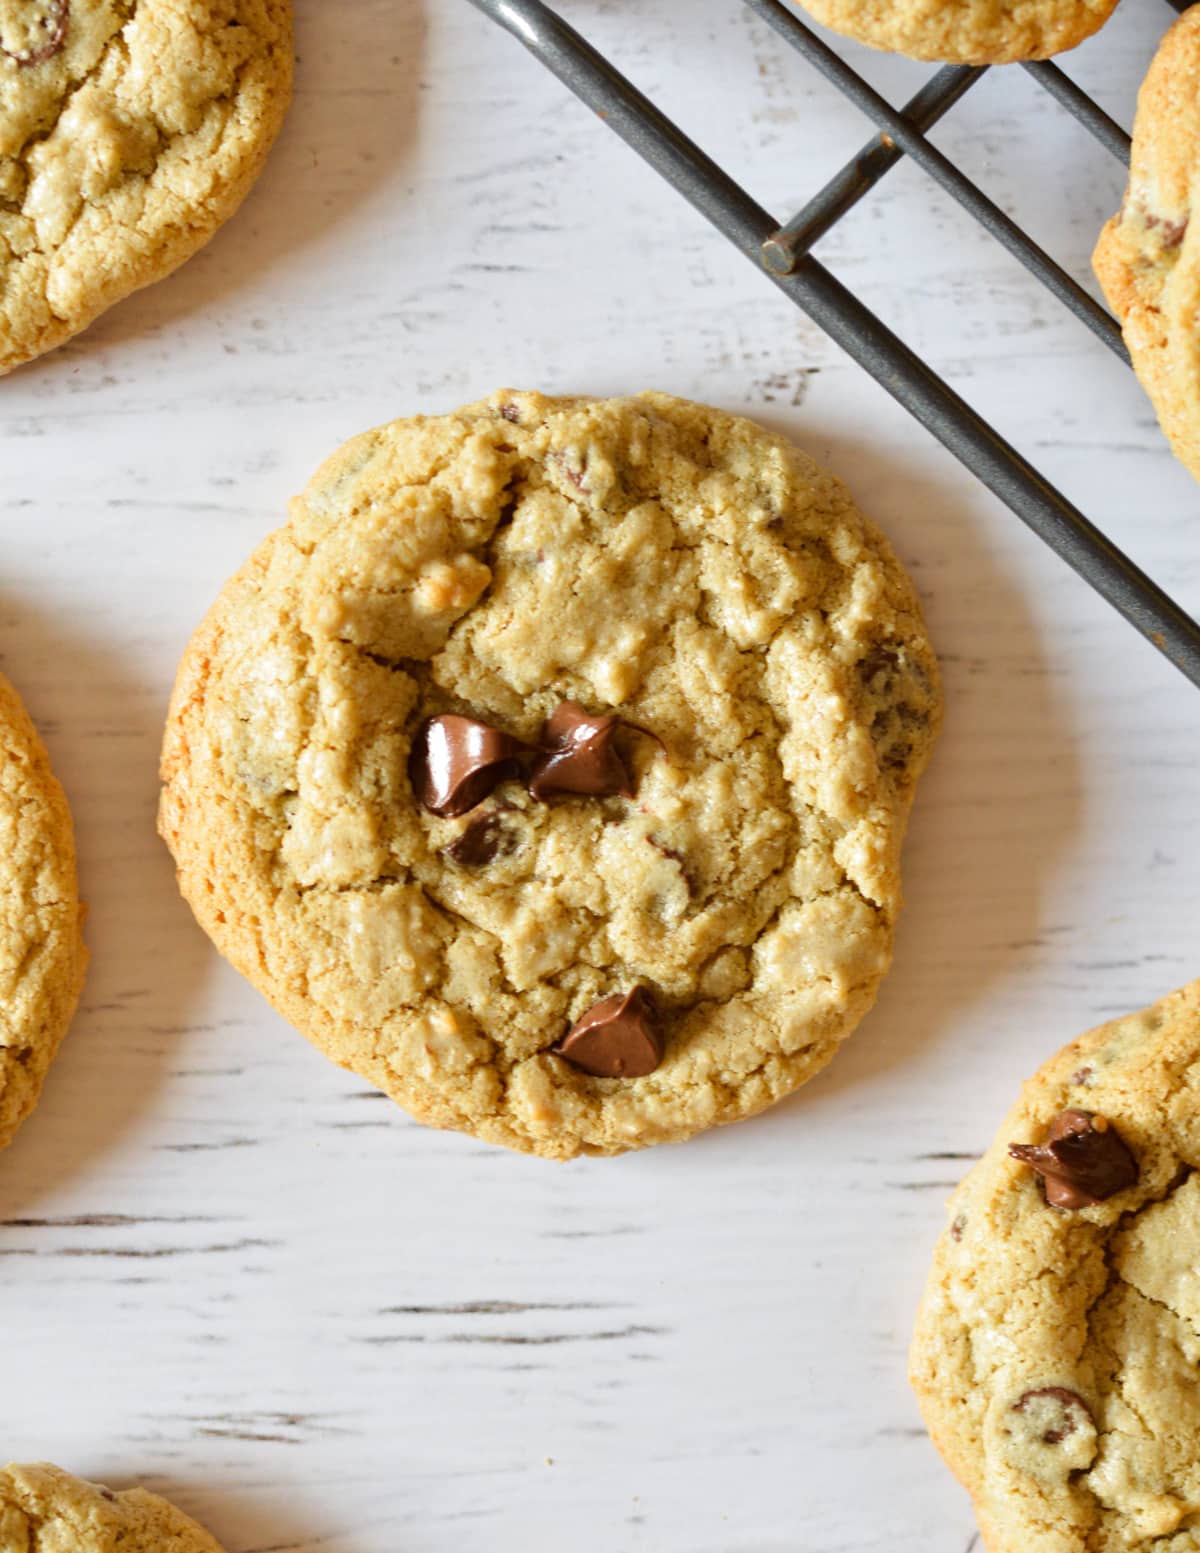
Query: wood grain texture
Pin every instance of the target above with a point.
(229, 1271)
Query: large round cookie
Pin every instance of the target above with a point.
(1056, 1350)
(642, 557)
(1148, 256)
(128, 133)
(42, 957)
(45, 1510)
(973, 32)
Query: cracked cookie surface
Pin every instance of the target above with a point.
(972, 32)
(42, 958)
(1148, 256)
(130, 130)
(1056, 1349)
(45, 1510)
(643, 556)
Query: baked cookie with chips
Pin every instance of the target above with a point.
(550, 768)
(42, 957)
(969, 32)
(45, 1510)
(1055, 1352)
(1148, 256)
(128, 134)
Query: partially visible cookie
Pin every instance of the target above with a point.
(1148, 256)
(1056, 1351)
(972, 32)
(42, 957)
(128, 135)
(45, 1510)
(550, 768)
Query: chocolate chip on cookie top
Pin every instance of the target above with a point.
(457, 762)
(482, 840)
(618, 1037)
(578, 755)
(1083, 1161)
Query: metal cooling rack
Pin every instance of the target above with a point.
(782, 251)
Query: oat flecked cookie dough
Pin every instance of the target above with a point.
(42, 958)
(130, 130)
(45, 1510)
(973, 32)
(1148, 256)
(574, 723)
(1056, 1349)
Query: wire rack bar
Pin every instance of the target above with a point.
(852, 326)
(1006, 231)
(1080, 106)
(863, 172)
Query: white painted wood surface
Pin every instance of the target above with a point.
(225, 1268)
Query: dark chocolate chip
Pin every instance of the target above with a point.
(482, 840)
(54, 26)
(578, 755)
(107, 1493)
(1065, 1424)
(457, 762)
(1083, 1161)
(619, 1037)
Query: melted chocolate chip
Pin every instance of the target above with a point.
(482, 841)
(1083, 1161)
(959, 1224)
(1081, 1075)
(578, 755)
(54, 27)
(457, 762)
(1065, 1424)
(619, 1037)
(510, 412)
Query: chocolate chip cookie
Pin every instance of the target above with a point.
(550, 768)
(1147, 259)
(1056, 1349)
(130, 130)
(971, 32)
(45, 1510)
(42, 958)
